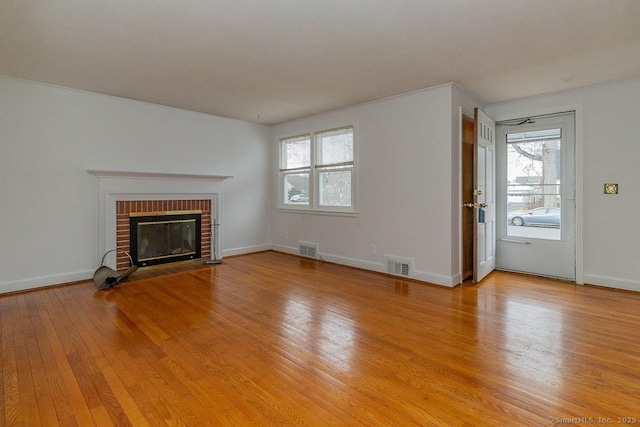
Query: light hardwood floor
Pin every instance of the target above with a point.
(270, 339)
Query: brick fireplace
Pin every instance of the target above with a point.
(124, 209)
(121, 194)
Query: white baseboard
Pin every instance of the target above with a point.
(286, 249)
(437, 279)
(59, 279)
(353, 262)
(246, 250)
(424, 276)
(39, 282)
(612, 282)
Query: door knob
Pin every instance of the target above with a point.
(474, 205)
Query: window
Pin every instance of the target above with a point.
(334, 166)
(317, 170)
(296, 168)
(534, 184)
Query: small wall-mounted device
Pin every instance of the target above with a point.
(611, 189)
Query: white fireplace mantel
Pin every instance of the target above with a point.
(114, 186)
(157, 175)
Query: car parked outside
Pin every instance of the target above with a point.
(299, 198)
(538, 217)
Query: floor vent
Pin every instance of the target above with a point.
(308, 250)
(398, 266)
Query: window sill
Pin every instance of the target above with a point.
(349, 214)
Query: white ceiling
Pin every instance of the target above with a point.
(268, 61)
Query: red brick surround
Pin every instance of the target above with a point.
(124, 208)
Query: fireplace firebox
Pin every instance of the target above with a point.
(163, 237)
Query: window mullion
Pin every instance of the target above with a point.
(313, 174)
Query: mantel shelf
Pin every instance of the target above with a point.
(158, 175)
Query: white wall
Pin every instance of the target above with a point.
(50, 136)
(607, 135)
(404, 149)
(408, 178)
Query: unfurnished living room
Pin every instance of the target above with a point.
(319, 213)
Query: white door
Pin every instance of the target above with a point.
(536, 196)
(485, 203)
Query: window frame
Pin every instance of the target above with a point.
(284, 171)
(315, 170)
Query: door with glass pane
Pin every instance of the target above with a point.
(536, 196)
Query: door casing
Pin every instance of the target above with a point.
(501, 112)
(554, 258)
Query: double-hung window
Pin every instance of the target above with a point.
(317, 171)
(296, 169)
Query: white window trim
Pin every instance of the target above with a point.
(314, 208)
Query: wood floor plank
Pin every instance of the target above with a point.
(23, 341)
(45, 336)
(12, 411)
(37, 356)
(274, 339)
(57, 325)
(133, 414)
(3, 359)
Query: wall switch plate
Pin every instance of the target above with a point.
(611, 189)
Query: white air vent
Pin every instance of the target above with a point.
(308, 250)
(398, 266)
